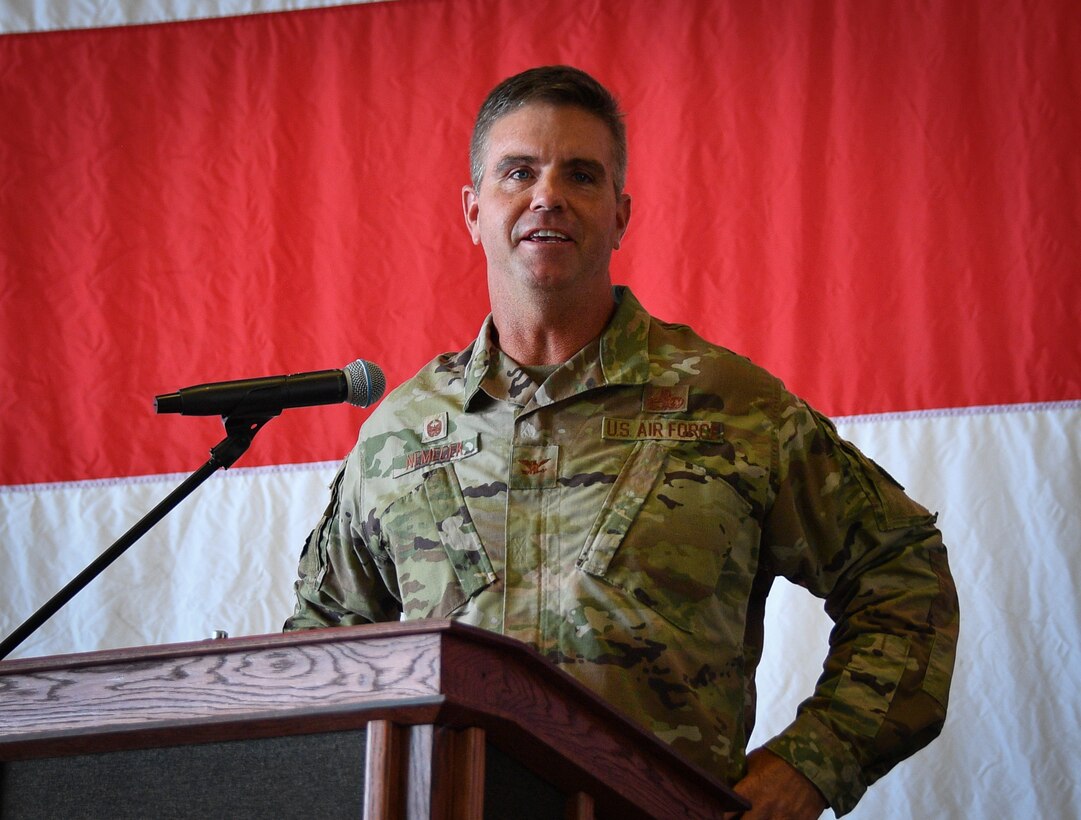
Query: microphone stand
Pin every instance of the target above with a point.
(240, 430)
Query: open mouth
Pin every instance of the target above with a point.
(546, 236)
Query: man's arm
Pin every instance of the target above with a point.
(841, 527)
(339, 583)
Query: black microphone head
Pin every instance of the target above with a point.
(365, 383)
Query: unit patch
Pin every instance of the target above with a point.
(665, 429)
(434, 428)
(660, 399)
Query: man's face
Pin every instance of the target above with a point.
(547, 213)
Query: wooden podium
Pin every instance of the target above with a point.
(426, 719)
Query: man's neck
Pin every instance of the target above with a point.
(549, 331)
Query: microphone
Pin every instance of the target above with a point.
(361, 383)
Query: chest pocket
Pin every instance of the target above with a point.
(433, 543)
(669, 533)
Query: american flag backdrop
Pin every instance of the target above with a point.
(878, 201)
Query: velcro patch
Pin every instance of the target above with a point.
(661, 429)
(534, 467)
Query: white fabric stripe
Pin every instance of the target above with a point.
(1004, 481)
(841, 421)
(49, 486)
(224, 559)
(977, 410)
(22, 16)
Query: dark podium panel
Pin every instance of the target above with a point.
(412, 720)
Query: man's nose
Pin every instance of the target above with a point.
(548, 193)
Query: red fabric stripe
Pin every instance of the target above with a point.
(877, 202)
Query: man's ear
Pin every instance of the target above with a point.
(471, 209)
(623, 217)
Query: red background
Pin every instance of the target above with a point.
(877, 201)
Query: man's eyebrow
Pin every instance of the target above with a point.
(513, 161)
(592, 166)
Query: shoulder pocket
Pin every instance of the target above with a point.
(863, 694)
(893, 509)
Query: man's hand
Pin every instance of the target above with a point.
(777, 791)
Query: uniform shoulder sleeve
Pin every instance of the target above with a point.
(844, 529)
(340, 582)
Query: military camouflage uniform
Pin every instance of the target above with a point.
(627, 518)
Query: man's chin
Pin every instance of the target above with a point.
(559, 280)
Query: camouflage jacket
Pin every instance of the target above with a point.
(627, 518)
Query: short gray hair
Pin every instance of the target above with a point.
(555, 85)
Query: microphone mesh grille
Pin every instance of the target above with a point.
(365, 383)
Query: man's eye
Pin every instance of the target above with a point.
(519, 174)
(582, 177)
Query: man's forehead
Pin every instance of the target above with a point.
(540, 127)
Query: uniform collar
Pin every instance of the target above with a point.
(619, 356)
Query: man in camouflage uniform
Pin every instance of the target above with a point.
(620, 494)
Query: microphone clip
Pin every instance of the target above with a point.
(240, 430)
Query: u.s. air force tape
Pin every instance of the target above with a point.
(661, 428)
